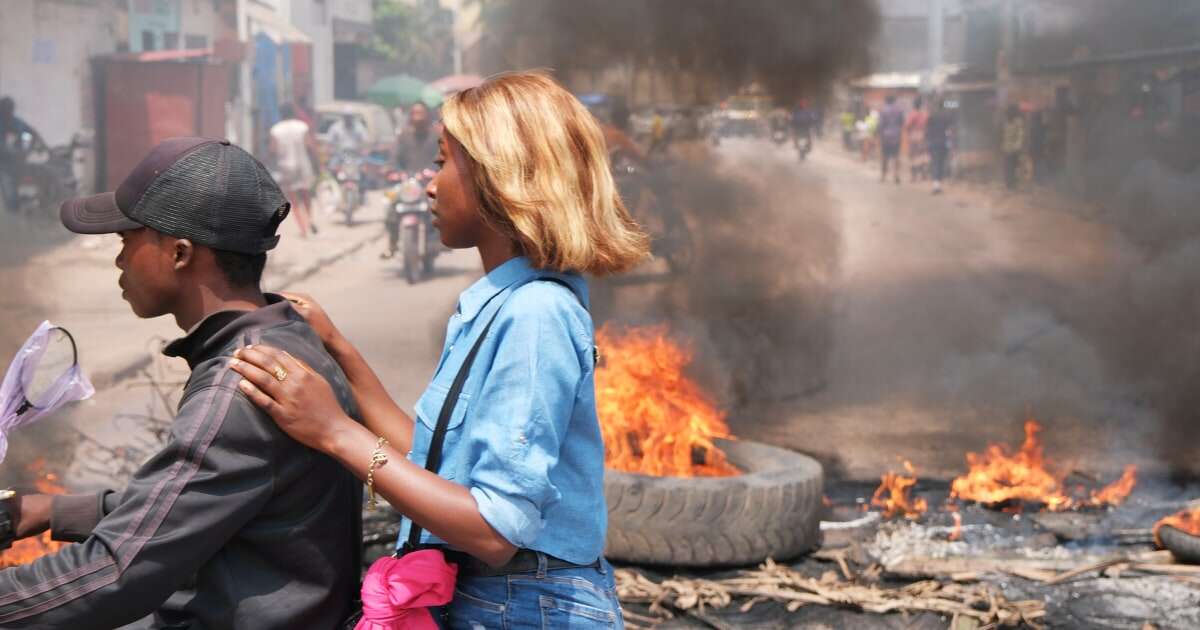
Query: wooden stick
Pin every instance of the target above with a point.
(1087, 568)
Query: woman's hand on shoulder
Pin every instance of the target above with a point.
(315, 315)
(299, 400)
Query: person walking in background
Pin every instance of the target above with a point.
(847, 121)
(914, 141)
(939, 131)
(1037, 145)
(294, 154)
(1012, 144)
(891, 133)
(867, 129)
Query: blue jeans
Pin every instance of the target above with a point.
(573, 599)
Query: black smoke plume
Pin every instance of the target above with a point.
(791, 47)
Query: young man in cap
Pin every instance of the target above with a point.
(231, 525)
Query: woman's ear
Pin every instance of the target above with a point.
(183, 252)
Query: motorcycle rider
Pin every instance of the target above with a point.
(348, 134)
(802, 122)
(415, 151)
(12, 157)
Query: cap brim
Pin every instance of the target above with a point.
(97, 214)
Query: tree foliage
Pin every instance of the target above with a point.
(414, 38)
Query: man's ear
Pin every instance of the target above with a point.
(183, 252)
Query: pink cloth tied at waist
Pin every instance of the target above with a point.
(397, 592)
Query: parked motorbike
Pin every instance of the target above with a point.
(47, 176)
(347, 171)
(652, 203)
(409, 215)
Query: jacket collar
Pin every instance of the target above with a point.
(218, 329)
(514, 272)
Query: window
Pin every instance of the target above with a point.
(170, 41)
(195, 42)
(148, 43)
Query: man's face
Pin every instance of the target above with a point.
(148, 281)
(419, 117)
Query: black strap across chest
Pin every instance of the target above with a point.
(434, 460)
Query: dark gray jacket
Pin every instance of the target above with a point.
(232, 525)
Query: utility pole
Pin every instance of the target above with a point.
(937, 30)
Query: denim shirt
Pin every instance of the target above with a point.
(524, 436)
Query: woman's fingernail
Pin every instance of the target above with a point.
(237, 353)
(244, 385)
(234, 362)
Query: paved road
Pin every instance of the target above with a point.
(953, 318)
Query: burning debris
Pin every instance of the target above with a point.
(29, 549)
(1187, 521)
(894, 495)
(655, 420)
(998, 479)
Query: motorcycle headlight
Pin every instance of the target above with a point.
(411, 191)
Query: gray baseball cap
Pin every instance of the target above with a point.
(208, 191)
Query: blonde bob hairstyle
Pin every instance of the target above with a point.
(540, 166)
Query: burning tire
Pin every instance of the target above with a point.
(773, 510)
(1184, 546)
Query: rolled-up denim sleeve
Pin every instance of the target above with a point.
(522, 412)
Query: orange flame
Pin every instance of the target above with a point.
(1186, 520)
(893, 494)
(995, 477)
(27, 550)
(655, 421)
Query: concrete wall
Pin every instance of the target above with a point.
(315, 19)
(45, 47)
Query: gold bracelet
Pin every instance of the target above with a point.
(378, 458)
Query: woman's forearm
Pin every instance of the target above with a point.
(444, 508)
(380, 413)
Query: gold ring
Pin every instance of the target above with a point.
(280, 373)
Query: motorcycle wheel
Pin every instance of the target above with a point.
(348, 213)
(412, 257)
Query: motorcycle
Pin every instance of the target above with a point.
(803, 146)
(653, 206)
(47, 176)
(779, 136)
(409, 213)
(347, 169)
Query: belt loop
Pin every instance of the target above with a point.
(541, 570)
(599, 564)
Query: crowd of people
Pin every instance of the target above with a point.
(920, 138)
(1030, 144)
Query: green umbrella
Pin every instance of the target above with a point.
(404, 90)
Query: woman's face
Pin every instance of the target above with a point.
(453, 199)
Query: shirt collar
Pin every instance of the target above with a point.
(215, 331)
(515, 271)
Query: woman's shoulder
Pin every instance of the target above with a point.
(546, 299)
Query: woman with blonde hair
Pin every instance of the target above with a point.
(503, 479)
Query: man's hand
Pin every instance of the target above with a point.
(30, 513)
